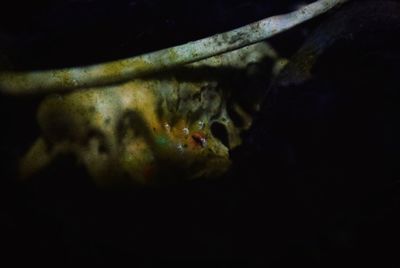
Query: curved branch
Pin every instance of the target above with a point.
(34, 82)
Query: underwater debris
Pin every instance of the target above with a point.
(36, 82)
(150, 118)
(152, 129)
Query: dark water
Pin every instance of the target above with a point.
(315, 183)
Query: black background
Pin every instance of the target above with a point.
(315, 183)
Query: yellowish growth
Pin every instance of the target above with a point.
(145, 130)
